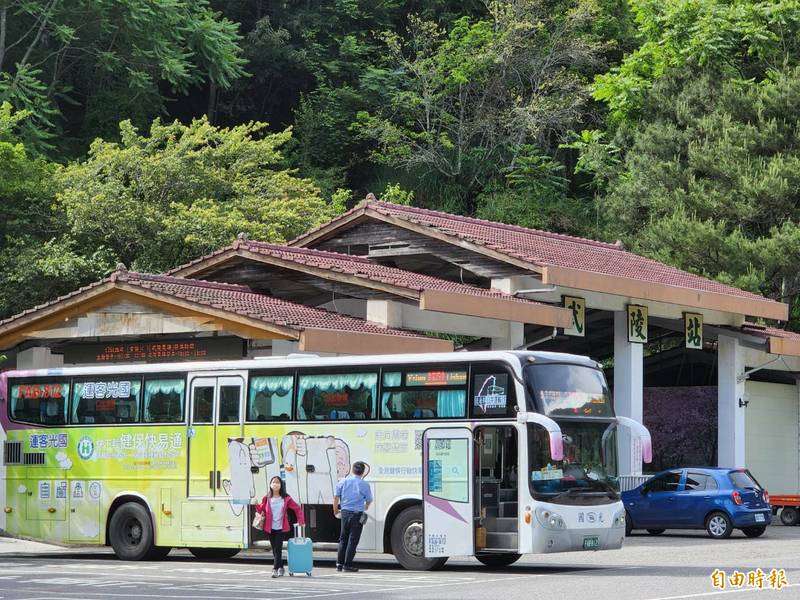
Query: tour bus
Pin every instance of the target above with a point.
(485, 454)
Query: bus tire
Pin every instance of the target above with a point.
(498, 560)
(214, 553)
(408, 542)
(790, 515)
(159, 552)
(131, 532)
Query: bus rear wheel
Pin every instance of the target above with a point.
(214, 553)
(131, 532)
(498, 560)
(408, 542)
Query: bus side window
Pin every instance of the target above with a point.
(270, 398)
(42, 403)
(106, 401)
(163, 400)
(337, 396)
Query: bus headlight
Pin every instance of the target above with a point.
(549, 519)
(619, 519)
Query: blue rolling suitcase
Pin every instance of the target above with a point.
(301, 558)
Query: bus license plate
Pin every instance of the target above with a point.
(759, 518)
(591, 543)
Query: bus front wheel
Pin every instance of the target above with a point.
(131, 532)
(498, 560)
(214, 553)
(408, 542)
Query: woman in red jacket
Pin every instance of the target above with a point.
(275, 506)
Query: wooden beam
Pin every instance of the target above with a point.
(660, 292)
(451, 239)
(495, 308)
(784, 346)
(352, 342)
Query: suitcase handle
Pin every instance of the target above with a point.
(299, 530)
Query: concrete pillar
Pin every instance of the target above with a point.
(385, 312)
(628, 391)
(730, 390)
(285, 347)
(39, 358)
(514, 339)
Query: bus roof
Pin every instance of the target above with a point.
(303, 360)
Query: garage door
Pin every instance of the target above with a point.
(772, 435)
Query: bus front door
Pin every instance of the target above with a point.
(216, 418)
(447, 492)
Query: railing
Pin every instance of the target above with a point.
(628, 482)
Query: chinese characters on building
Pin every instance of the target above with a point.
(637, 324)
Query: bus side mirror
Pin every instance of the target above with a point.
(640, 431)
(553, 431)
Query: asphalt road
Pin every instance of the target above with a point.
(675, 565)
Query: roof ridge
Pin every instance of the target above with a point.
(497, 225)
(359, 206)
(188, 281)
(307, 251)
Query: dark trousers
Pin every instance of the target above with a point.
(349, 537)
(276, 537)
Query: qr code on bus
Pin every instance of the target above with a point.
(418, 440)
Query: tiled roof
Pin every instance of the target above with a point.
(542, 248)
(358, 266)
(767, 332)
(236, 299)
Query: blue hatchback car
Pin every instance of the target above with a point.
(718, 500)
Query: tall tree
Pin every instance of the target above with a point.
(93, 61)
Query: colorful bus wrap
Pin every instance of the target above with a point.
(485, 454)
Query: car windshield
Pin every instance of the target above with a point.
(589, 467)
(743, 480)
(569, 390)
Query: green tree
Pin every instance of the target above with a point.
(158, 200)
(465, 103)
(95, 61)
(36, 262)
(735, 39)
(710, 181)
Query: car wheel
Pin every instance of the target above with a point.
(754, 531)
(719, 526)
(790, 515)
(498, 560)
(628, 524)
(214, 553)
(131, 532)
(656, 531)
(408, 541)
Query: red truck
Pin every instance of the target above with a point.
(789, 506)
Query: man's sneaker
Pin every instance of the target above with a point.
(338, 567)
(281, 572)
(350, 569)
(275, 573)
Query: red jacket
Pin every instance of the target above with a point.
(288, 504)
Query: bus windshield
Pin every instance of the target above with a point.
(569, 390)
(589, 467)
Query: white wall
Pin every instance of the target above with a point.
(772, 434)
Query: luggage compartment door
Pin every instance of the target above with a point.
(447, 458)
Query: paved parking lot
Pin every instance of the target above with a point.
(675, 565)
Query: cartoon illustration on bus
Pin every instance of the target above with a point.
(310, 465)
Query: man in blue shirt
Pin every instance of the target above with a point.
(353, 497)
